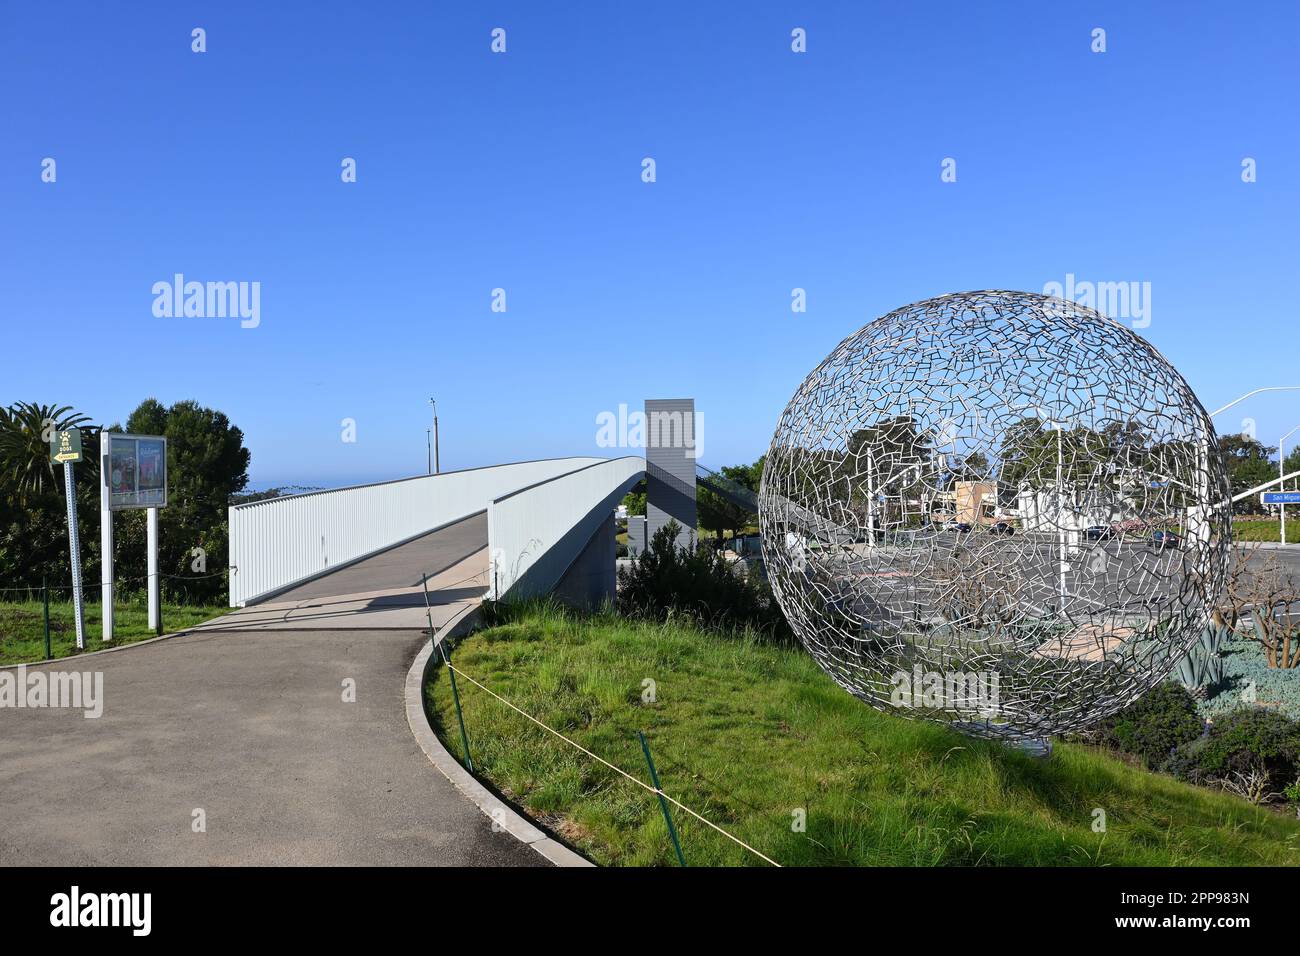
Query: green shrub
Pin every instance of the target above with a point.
(699, 583)
(1155, 726)
(1247, 741)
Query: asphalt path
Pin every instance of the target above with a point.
(238, 747)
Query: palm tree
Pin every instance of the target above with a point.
(26, 471)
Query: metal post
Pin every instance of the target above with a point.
(152, 583)
(105, 534)
(428, 449)
(460, 715)
(663, 802)
(45, 594)
(1060, 503)
(74, 544)
(871, 499)
(446, 657)
(437, 455)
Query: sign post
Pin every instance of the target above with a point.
(151, 537)
(65, 447)
(135, 477)
(105, 537)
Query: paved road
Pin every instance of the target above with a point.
(251, 728)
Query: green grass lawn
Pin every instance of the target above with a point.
(752, 736)
(22, 627)
(1267, 530)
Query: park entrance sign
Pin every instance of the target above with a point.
(957, 512)
(133, 472)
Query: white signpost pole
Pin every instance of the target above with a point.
(152, 545)
(74, 543)
(106, 533)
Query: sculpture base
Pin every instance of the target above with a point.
(1040, 747)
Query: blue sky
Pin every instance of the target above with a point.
(522, 171)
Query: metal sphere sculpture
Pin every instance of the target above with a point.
(996, 509)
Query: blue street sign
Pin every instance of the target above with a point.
(1280, 497)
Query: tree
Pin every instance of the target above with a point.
(721, 514)
(25, 432)
(634, 500)
(1269, 593)
(1249, 463)
(207, 463)
(33, 512)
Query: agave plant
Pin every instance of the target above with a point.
(1202, 668)
(26, 471)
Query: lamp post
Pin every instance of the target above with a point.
(1266, 388)
(1204, 450)
(437, 458)
(1281, 456)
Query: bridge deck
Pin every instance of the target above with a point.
(383, 591)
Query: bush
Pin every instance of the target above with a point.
(1155, 726)
(698, 583)
(1248, 742)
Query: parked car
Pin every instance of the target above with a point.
(1165, 539)
(1002, 527)
(1099, 531)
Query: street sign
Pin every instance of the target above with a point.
(65, 446)
(137, 472)
(1279, 497)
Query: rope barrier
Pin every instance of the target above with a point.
(640, 783)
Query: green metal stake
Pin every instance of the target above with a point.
(45, 594)
(446, 657)
(663, 802)
(460, 716)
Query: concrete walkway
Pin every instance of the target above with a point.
(383, 591)
(246, 722)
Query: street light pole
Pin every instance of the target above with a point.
(437, 457)
(1205, 451)
(1281, 455)
(428, 448)
(1266, 388)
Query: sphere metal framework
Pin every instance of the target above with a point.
(996, 509)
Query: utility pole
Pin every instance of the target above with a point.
(437, 458)
(428, 447)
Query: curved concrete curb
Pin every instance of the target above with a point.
(500, 814)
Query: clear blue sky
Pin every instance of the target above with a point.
(523, 171)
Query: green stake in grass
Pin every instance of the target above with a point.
(663, 802)
(45, 595)
(446, 657)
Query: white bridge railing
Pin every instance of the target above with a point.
(280, 542)
(536, 533)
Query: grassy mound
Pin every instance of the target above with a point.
(756, 738)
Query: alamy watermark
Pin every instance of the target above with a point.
(208, 300)
(662, 429)
(960, 692)
(1119, 300)
(133, 911)
(72, 690)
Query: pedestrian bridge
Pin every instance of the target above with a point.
(549, 528)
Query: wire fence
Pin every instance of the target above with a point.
(654, 789)
(93, 587)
